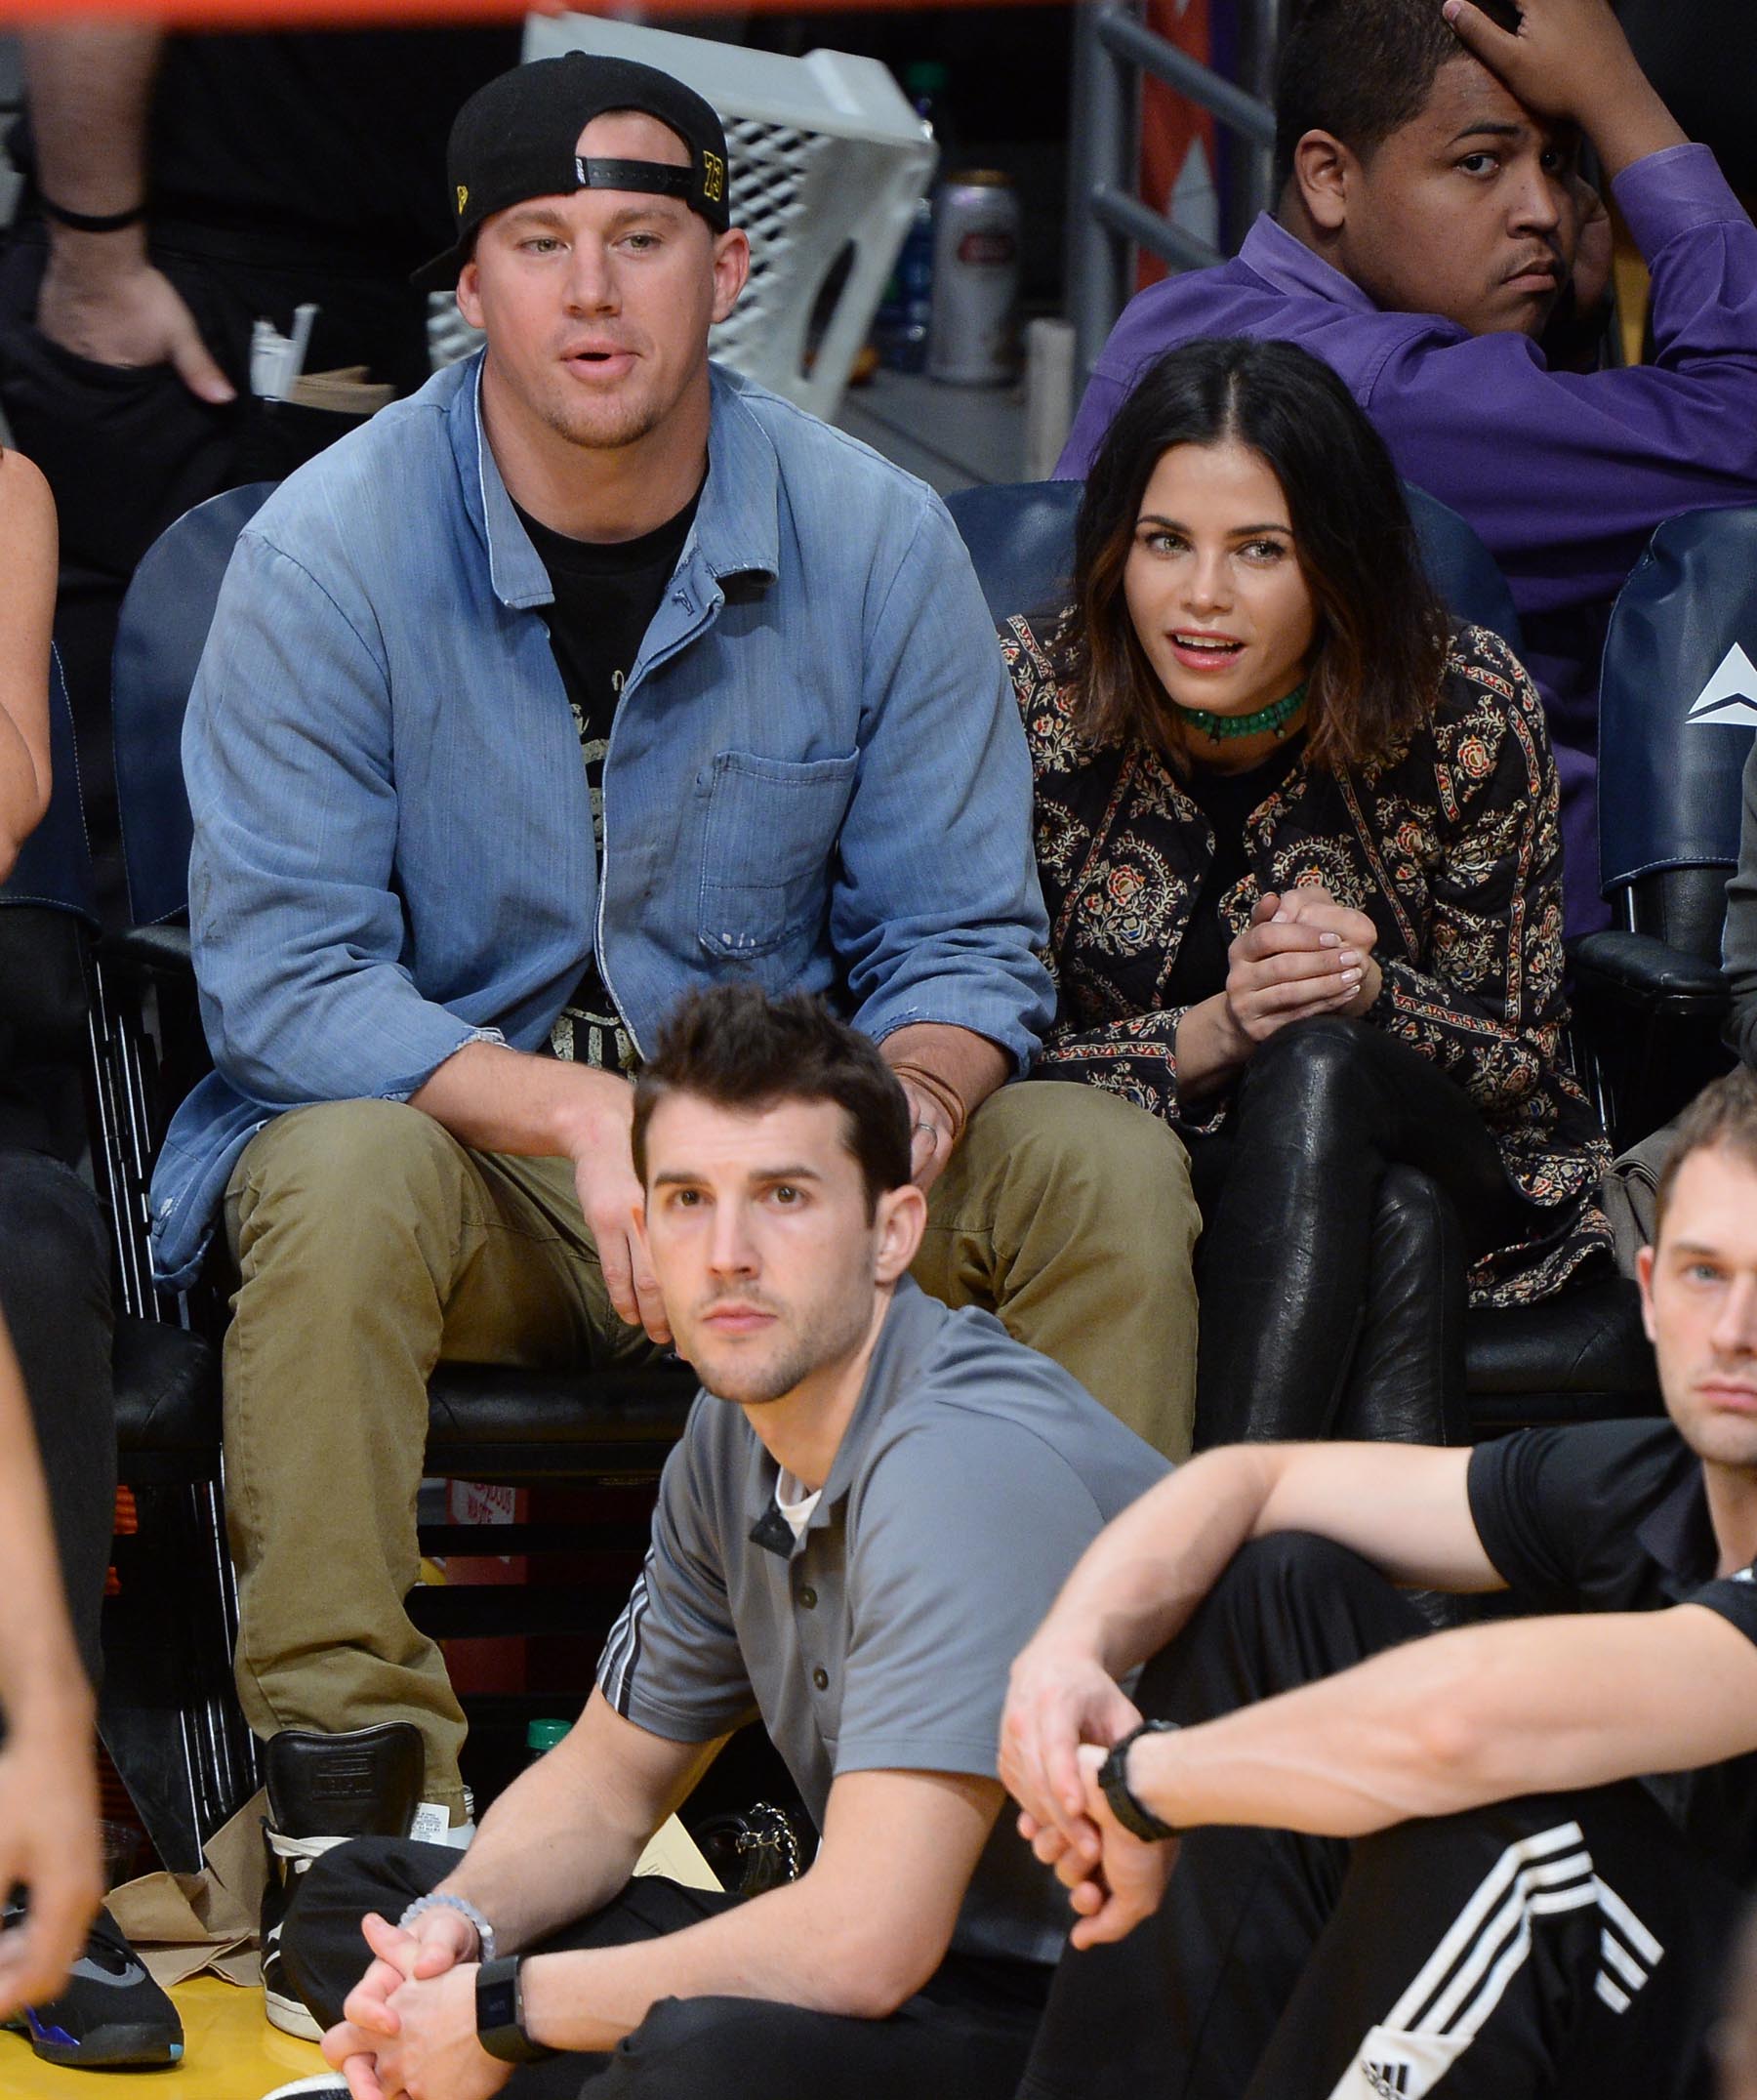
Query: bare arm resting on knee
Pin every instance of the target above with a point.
(1407, 1509)
(858, 1934)
(1437, 1726)
(48, 1782)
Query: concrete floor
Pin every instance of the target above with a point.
(953, 437)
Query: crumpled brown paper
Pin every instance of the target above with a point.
(187, 1925)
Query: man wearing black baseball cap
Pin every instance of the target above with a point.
(588, 677)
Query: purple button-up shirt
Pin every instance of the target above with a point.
(1564, 474)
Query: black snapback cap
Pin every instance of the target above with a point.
(515, 137)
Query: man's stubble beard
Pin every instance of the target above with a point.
(828, 1336)
(637, 420)
(1724, 1440)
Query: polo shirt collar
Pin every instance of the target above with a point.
(1678, 1534)
(910, 1326)
(737, 524)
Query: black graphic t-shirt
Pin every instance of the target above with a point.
(606, 594)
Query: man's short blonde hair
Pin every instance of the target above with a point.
(1722, 1115)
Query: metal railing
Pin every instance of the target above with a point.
(1112, 49)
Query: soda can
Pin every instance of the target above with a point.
(972, 340)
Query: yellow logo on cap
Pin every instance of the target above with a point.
(714, 176)
(463, 198)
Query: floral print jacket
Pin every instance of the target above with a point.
(1451, 846)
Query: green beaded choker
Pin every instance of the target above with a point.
(1217, 729)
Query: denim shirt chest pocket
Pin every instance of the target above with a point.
(769, 829)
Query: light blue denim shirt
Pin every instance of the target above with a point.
(817, 776)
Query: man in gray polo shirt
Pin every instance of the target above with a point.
(874, 1503)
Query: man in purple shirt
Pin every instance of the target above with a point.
(1432, 243)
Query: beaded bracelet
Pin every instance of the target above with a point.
(467, 1910)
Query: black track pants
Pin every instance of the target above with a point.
(967, 2033)
(1554, 1946)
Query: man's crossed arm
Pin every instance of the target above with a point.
(1481, 1714)
(858, 1934)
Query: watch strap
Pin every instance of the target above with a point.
(500, 2013)
(1113, 1778)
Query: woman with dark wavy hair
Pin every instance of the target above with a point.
(1298, 841)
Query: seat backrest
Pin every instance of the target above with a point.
(48, 914)
(159, 640)
(1021, 538)
(827, 160)
(1677, 707)
(54, 867)
(1461, 569)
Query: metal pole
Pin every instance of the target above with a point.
(1129, 219)
(1133, 40)
(1101, 146)
(1263, 24)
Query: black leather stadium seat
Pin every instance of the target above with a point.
(1677, 709)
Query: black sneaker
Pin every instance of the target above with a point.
(110, 2013)
(322, 1790)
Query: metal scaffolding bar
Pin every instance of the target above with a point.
(1107, 222)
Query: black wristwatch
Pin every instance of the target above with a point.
(500, 2014)
(1113, 1777)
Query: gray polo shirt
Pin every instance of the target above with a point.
(973, 1474)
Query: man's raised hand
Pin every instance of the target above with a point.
(1569, 60)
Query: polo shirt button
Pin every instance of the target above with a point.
(808, 1597)
(821, 1678)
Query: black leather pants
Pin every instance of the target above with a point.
(1354, 1185)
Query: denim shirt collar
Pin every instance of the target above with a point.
(737, 527)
